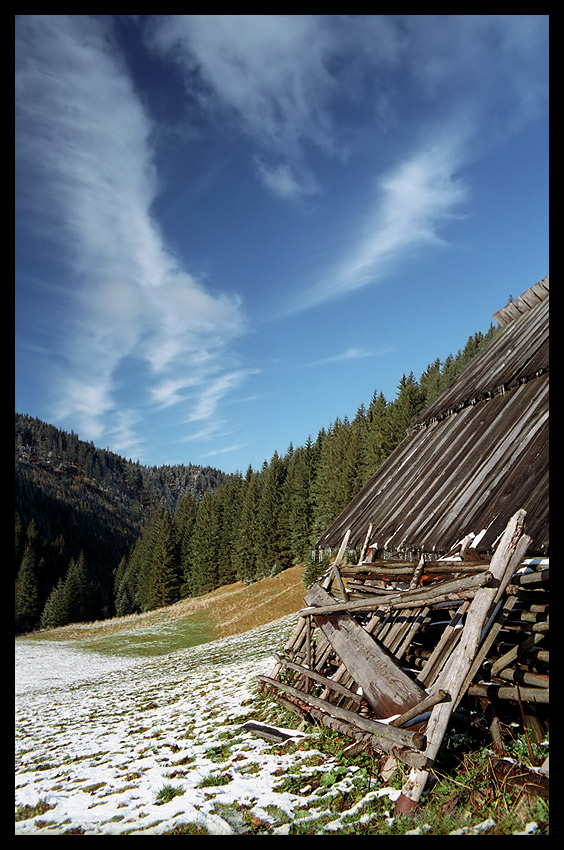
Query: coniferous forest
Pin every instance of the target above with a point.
(98, 536)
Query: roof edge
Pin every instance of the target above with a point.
(527, 301)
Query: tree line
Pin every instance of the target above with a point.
(245, 527)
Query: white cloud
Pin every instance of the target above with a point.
(349, 354)
(413, 202)
(87, 179)
(214, 392)
(268, 75)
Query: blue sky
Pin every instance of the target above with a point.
(233, 229)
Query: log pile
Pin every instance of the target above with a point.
(385, 651)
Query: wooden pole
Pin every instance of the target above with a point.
(406, 598)
(403, 737)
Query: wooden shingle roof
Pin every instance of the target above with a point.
(478, 453)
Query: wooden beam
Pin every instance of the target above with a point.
(403, 737)
(386, 688)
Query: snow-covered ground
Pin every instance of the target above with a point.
(98, 737)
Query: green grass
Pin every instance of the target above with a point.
(168, 793)
(26, 812)
(156, 640)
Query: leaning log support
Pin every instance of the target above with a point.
(509, 553)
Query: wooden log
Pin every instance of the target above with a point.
(493, 690)
(397, 569)
(509, 553)
(417, 573)
(412, 758)
(424, 705)
(420, 597)
(415, 740)
(366, 542)
(323, 680)
(387, 689)
(511, 655)
(492, 628)
(523, 579)
(536, 680)
(446, 643)
(417, 623)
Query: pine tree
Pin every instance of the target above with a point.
(28, 603)
(246, 541)
(55, 608)
(164, 575)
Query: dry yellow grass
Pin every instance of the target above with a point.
(234, 609)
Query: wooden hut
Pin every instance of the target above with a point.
(478, 452)
(449, 598)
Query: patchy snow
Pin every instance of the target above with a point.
(97, 737)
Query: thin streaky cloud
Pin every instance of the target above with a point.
(83, 134)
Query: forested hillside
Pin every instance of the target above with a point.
(97, 535)
(74, 504)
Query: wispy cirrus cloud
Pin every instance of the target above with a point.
(286, 81)
(412, 203)
(353, 353)
(87, 183)
(268, 75)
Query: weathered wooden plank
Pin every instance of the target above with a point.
(386, 688)
(270, 733)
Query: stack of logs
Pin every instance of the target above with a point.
(389, 655)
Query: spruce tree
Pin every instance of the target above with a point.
(28, 603)
(376, 444)
(55, 609)
(204, 545)
(163, 582)
(298, 503)
(246, 540)
(142, 558)
(269, 531)
(79, 592)
(184, 522)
